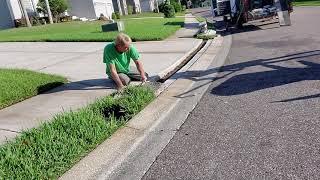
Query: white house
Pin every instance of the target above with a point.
(91, 9)
(11, 10)
(147, 5)
(6, 20)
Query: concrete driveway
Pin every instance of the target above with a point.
(83, 61)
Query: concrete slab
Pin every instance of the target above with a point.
(77, 66)
(33, 61)
(51, 47)
(7, 135)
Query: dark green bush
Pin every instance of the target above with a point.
(177, 7)
(113, 16)
(183, 8)
(118, 15)
(168, 11)
(161, 7)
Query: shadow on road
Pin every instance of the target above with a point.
(300, 98)
(278, 75)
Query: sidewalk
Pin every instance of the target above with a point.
(82, 64)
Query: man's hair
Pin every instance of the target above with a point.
(122, 39)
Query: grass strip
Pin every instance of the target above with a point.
(18, 85)
(53, 148)
(138, 29)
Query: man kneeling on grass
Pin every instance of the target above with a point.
(117, 56)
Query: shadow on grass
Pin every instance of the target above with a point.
(48, 86)
(90, 84)
(181, 24)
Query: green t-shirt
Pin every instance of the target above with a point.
(120, 60)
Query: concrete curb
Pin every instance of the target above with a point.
(110, 160)
(167, 71)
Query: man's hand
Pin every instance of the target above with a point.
(143, 78)
(120, 88)
(141, 70)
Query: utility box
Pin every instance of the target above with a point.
(116, 26)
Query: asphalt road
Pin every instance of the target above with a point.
(260, 119)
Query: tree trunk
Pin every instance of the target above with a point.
(49, 12)
(25, 13)
(119, 7)
(125, 7)
(35, 8)
(157, 5)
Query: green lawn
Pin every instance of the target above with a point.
(53, 148)
(18, 85)
(138, 29)
(306, 2)
(148, 14)
(142, 15)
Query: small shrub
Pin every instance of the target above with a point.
(161, 7)
(103, 18)
(118, 15)
(168, 11)
(113, 16)
(35, 20)
(130, 9)
(183, 8)
(206, 37)
(177, 7)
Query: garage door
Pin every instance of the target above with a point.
(109, 9)
(5, 16)
(100, 8)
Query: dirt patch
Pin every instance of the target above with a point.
(116, 110)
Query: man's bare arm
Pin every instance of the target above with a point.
(115, 76)
(141, 70)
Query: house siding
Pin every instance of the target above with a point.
(5, 15)
(91, 8)
(16, 9)
(108, 7)
(135, 4)
(147, 5)
(82, 8)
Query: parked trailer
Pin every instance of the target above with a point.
(238, 12)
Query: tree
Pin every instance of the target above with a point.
(56, 6)
(25, 14)
(49, 11)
